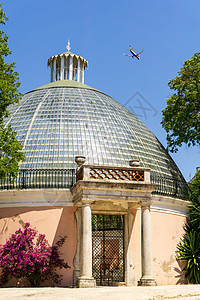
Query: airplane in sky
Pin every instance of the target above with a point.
(133, 54)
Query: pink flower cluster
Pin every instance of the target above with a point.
(28, 254)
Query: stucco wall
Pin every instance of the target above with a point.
(167, 228)
(51, 221)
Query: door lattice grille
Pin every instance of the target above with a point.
(107, 249)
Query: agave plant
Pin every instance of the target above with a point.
(189, 250)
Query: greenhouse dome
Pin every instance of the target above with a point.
(96, 174)
(67, 118)
(59, 121)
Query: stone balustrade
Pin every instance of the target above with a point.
(114, 173)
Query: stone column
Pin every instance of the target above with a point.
(86, 279)
(70, 68)
(54, 70)
(82, 69)
(79, 71)
(51, 71)
(76, 261)
(129, 260)
(62, 68)
(147, 262)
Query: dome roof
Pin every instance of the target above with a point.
(66, 118)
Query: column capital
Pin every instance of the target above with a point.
(86, 202)
(145, 203)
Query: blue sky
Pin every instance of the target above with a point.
(101, 31)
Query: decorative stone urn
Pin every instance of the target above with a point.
(134, 163)
(80, 160)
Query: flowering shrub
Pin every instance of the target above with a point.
(28, 254)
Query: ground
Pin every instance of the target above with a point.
(178, 292)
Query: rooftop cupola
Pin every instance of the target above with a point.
(67, 66)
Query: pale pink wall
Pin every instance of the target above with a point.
(166, 232)
(58, 221)
(53, 222)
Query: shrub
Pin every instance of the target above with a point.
(28, 254)
(188, 249)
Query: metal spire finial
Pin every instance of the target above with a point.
(68, 46)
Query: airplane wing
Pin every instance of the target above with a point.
(140, 52)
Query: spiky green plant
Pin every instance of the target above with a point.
(188, 249)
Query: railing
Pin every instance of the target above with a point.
(39, 179)
(171, 187)
(66, 178)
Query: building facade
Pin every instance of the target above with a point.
(95, 173)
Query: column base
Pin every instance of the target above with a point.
(147, 281)
(76, 277)
(86, 282)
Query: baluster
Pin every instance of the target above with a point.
(23, 184)
(45, 179)
(73, 177)
(59, 178)
(42, 179)
(27, 178)
(55, 178)
(7, 186)
(34, 178)
(12, 181)
(39, 179)
(52, 178)
(63, 178)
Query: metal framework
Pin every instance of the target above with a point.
(108, 249)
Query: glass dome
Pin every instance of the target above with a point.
(66, 118)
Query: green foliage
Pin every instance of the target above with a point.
(9, 83)
(10, 152)
(195, 207)
(10, 148)
(195, 187)
(181, 117)
(189, 250)
(189, 247)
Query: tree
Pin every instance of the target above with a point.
(10, 148)
(188, 248)
(27, 254)
(195, 198)
(181, 117)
